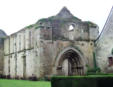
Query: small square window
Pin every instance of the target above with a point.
(110, 60)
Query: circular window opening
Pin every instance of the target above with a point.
(71, 27)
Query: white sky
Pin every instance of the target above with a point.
(16, 14)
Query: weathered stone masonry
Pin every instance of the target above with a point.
(2, 36)
(104, 46)
(58, 45)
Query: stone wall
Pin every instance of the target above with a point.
(105, 45)
(58, 37)
(1, 58)
(2, 36)
(30, 55)
(33, 51)
(19, 54)
(51, 50)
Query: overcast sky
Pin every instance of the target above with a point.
(16, 14)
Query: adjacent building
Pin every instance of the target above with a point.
(104, 46)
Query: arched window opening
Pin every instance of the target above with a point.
(71, 27)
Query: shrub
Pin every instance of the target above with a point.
(93, 71)
(83, 81)
(45, 78)
(33, 78)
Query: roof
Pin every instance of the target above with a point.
(108, 19)
(2, 34)
(64, 13)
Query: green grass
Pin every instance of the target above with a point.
(23, 83)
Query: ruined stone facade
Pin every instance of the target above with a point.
(58, 45)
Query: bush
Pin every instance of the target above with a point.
(45, 78)
(93, 71)
(33, 78)
(83, 81)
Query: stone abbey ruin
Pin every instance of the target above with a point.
(59, 45)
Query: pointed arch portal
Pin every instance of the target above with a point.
(70, 63)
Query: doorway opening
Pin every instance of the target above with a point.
(70, 63)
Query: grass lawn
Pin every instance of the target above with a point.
(23, 83)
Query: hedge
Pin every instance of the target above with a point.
(83, 81)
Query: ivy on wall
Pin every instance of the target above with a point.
(95, 69)
(112, 51)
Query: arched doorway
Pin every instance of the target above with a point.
(70, 63)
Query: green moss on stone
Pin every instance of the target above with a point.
(112, 51)
(75, 18)
(37, 27)
(30, 26)
(42, 20)
(91, 24)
